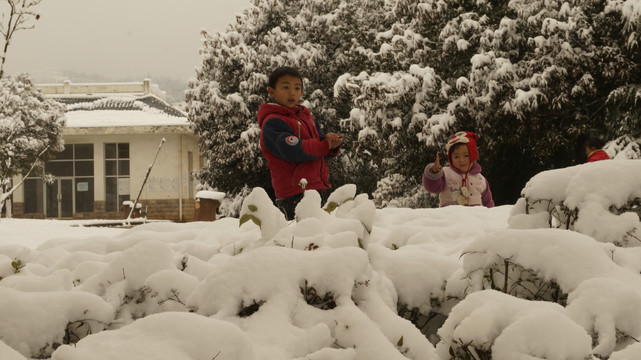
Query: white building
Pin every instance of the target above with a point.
(111, 136)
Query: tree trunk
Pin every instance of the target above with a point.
(2, 189)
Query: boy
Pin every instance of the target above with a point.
(292, 142)
(461, 183)
(594, 151)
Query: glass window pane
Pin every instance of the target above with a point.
(123, 167)
(59, 168)
(110, 151)
(65, 154)
(83, 151)
(111, 198)
(33, 196)
(123, 198)
(110, 167)
(123, 151)
(84, 168)
(66, 198)
(84, 195)
(52, 199)
(124, 186)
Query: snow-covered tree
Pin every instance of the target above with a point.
(531, 77)
(402, 106)
(399, 77)
(30, 130)
(323, 38)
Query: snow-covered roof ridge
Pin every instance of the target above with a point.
(147, 103)
(140, 88)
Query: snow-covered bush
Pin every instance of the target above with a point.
(345, 220)
(630, 352)
(344, 281)
(170, 335)
(601, 199)
(63, 317)
(492, 325)
(399, 191)
(259, 208)
(565, 267)
(624, 147)
(535, 264)
(232, 206)
(419, 252)
(610, 310)
(290, 291)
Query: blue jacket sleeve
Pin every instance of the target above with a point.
(321, 134)
(279, 138)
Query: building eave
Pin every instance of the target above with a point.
(129, 130)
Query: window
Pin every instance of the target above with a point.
(73, 170)
(190, 168)
(83, 177)
(116, 175)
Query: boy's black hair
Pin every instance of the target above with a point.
(283, 71)
(594, 142)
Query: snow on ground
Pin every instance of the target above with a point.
(32, 233)
(345, 281)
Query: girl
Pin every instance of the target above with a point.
(461, 183)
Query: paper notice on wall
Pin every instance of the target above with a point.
(82, 186)
(123, 186)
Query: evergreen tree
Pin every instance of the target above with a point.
(402, 107)
(539, 82)
(531, 77)
(323, 38)
(398, 77)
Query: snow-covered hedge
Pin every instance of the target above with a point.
(345, 281)
(560, 266)
(493, 325)
(266, 289)
(600, 199)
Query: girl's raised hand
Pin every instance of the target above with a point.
(436, 168)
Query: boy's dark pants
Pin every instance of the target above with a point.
(288, 205)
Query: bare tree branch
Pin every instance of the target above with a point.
(20, 16)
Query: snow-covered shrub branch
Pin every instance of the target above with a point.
(575, 198)
(492, 325)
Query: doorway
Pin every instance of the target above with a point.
(59, 198)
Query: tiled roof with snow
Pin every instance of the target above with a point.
(120, 111)
(144, 103)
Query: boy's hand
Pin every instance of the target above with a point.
(334, 140)
(436, 168)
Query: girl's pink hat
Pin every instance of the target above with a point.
(464, 137)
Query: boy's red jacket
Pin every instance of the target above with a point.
(295, 148)
(598, 155)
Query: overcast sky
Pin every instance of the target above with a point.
(118, 38)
